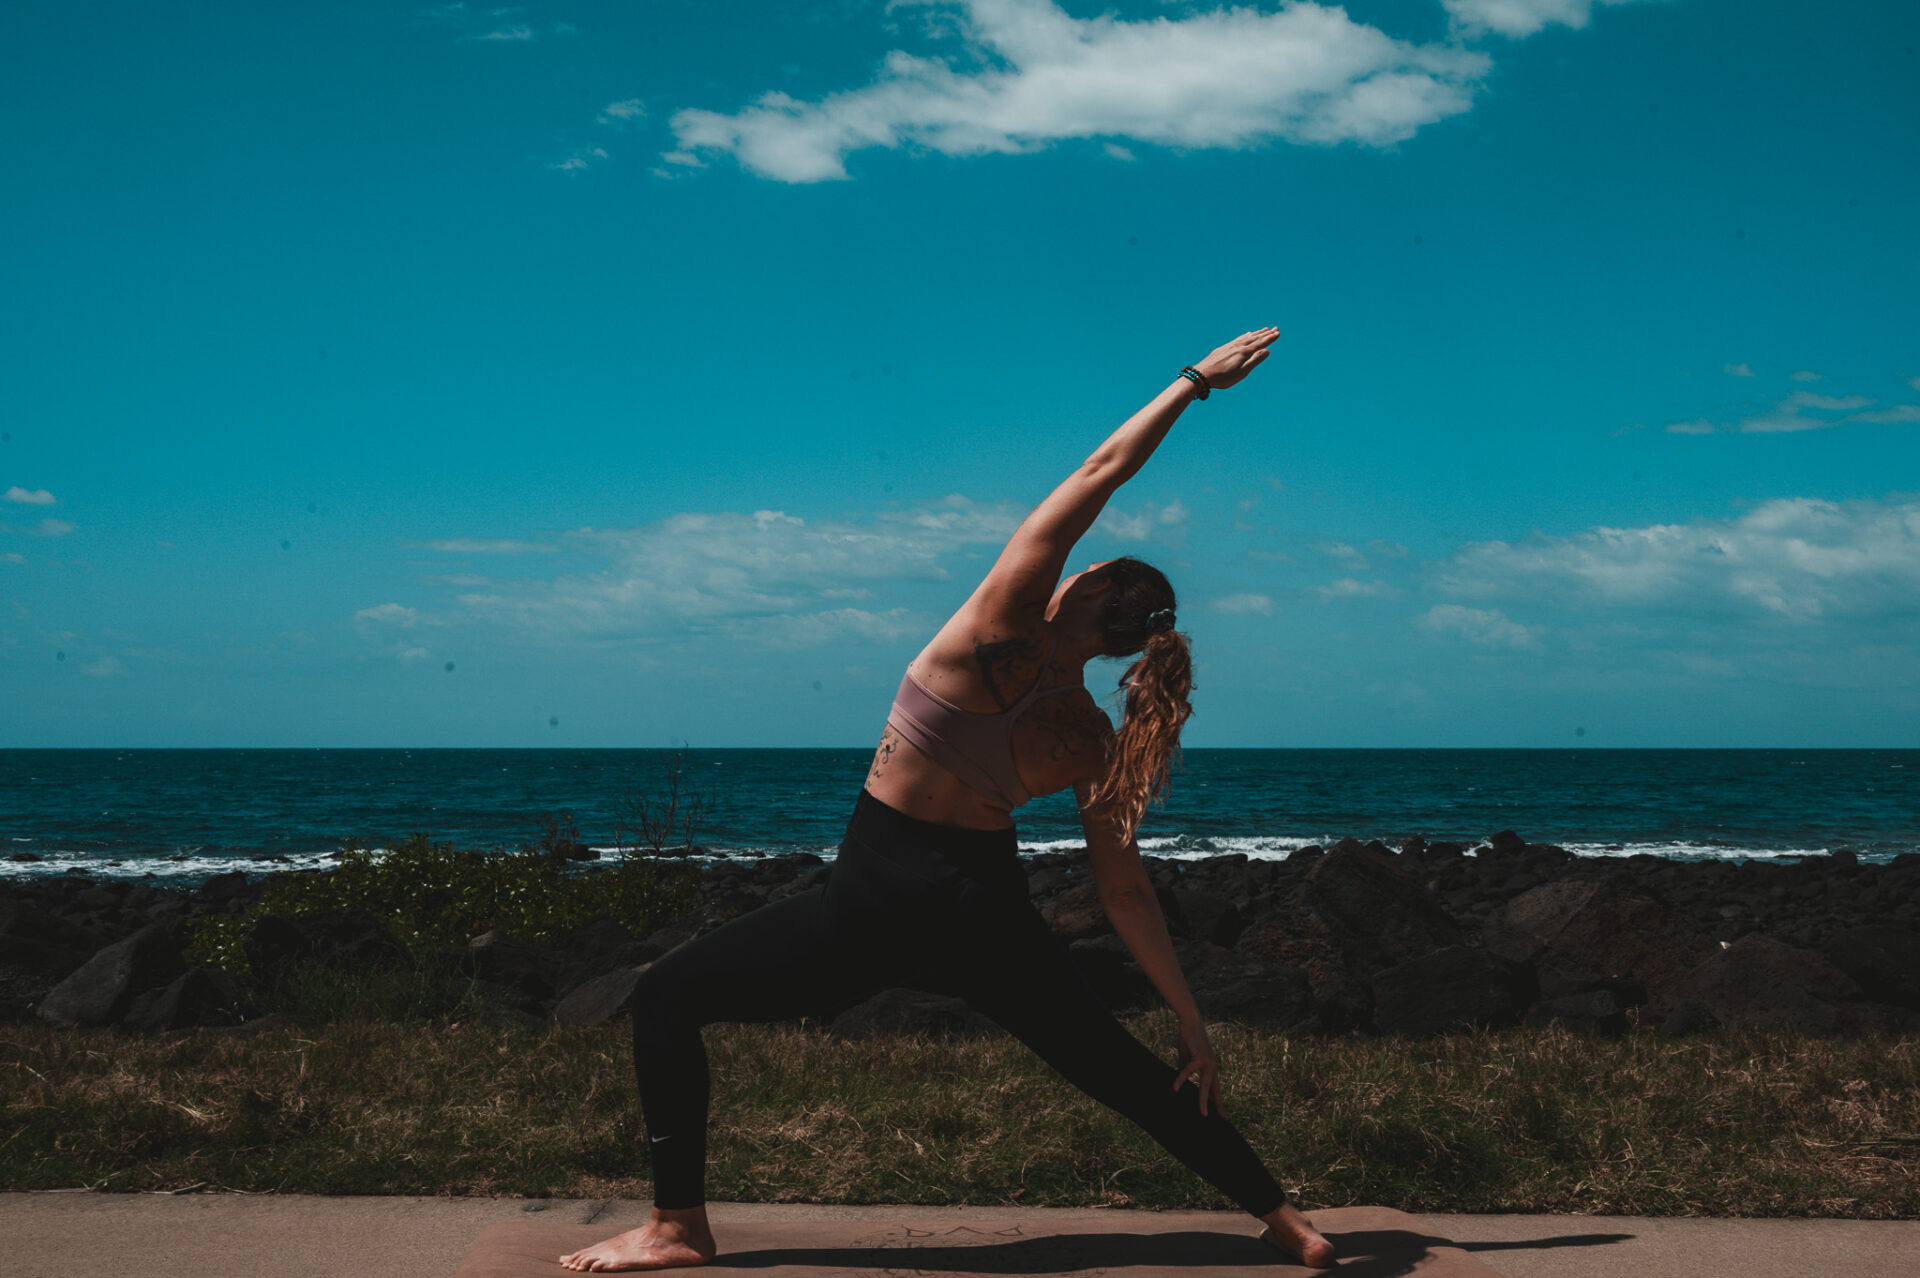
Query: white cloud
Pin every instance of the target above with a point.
(1117, 152)
(1794, 558)
(1232, 78)
(1353, 588)
(1489, 628)
(52, 528)
(1914, 382)
(103, 668)
(1737, 370)
(836, 625)
(1799, 411)
(389, 613)
(1245, 605)
(620, 112)
(1899, 413)
(491, 546)
(1342, 552)
(34, 497)
(1145, 521)
(13, 557)
(508, 33)
(1516, 19)
(746, 574)
(580, 160)
(1805, 375)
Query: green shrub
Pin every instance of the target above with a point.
(432, 894)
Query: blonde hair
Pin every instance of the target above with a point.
(1136, 617)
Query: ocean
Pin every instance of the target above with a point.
(177, 816)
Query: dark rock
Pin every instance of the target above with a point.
(222, 888)
(199, 996)
(1448, 989)
(1076, 914)
(1209, 916)
(530, 971)
(348, 937)
(601, 999)
(1883, 958)
(1595, 1012)
(1581, 935)
(1365, 906)
(599, 935)
(1257, 993)
(907, 1011)
(23, 857)
(1506, 841)
(1760, 981)
(104, 987)
(1341, 1000)
(1684, 1016)
(36, 939)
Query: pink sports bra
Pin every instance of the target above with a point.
(977, 748)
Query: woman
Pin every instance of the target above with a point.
(928, 891)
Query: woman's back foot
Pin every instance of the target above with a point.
(667, 1241)
(1289, 1232)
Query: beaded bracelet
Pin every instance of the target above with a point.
(1199, 379)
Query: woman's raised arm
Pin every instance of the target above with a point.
(1036, 556)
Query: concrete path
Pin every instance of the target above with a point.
(57, 1235)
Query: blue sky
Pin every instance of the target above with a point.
(574, 374)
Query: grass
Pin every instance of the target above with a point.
(1733, 1123)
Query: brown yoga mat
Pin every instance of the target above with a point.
(1373, 1242)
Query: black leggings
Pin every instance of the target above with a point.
(936, 908)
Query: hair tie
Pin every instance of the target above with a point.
(1160, 622)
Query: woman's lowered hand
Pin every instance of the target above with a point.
(1237, 358)
(1197, 1062)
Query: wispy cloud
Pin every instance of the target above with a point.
(1517, 19)
(1353, 588)
(766, 577)
(1737, 370)
(1245, 605)
(1805, 375)
(1144, 522)
(1800, 410)
(28, 497)
(52, 528)
(580, 160)
(103, 668)
(12, 557)
(621, 112)
(491, 546)
(1487, 627)
(1796, 559)
(1027, 75)
(517, 32)
(389, 614)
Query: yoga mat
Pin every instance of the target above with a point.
(1372, 1242)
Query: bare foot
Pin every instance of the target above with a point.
(668, 1240)
(1290, 1232)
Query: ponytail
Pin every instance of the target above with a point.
(1143, 755)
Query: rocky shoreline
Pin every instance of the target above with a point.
(1418, 939)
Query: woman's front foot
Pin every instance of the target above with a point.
(669, 1240)
(1290, 1232)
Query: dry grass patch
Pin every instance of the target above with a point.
(1736, 1123)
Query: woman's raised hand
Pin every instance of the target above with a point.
(1237, 358)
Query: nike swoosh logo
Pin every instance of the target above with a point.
(657, 1139)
